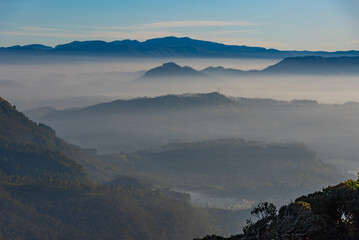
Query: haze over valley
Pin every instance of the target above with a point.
(191, 120)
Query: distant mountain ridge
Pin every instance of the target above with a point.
(163, 47)
(316, 65)
(295, 65)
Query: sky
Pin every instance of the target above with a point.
(329, 25)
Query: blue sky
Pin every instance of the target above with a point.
(282, 24)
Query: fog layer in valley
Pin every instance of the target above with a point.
(330, 129)
(76, 82)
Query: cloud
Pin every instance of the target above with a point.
(103, 35)
(34, 29)
(173, 24)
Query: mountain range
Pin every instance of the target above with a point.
(162, 47)
(311, 65)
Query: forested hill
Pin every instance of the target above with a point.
(44, 194)
(166, 102)
(233, 167)
(16, 127)
(30, 160)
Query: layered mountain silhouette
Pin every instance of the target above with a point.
(166, 102)
(295, 65)
(316, 65)
(162, 47)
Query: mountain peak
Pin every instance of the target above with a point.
(171, 65)
(171, 69)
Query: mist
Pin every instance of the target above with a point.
(76, 82)
(64, 83)
(328, 126)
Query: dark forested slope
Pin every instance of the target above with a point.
(15, 126)
(44, 194)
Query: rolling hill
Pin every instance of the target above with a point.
(233, 168)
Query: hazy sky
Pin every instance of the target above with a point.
(283, 24)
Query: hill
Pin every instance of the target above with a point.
(16, 127)
(150, 122)
(173, 70)
(44, 194)
(221, 71)
(315, 65)
(309, 65)
(136, 120)
(233, 167)
(165, 102)
(161, 47)
(30, 160)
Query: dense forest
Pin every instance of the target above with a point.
(231, 167)
(16, 127)
(63, 210)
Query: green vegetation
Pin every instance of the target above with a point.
(16, 127)
(231, 167)
(54, 210)
(45, 194)
(332, 213)
(31, 160)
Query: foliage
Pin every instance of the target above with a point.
(329, 214)
(31, 160)
(74, 211)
